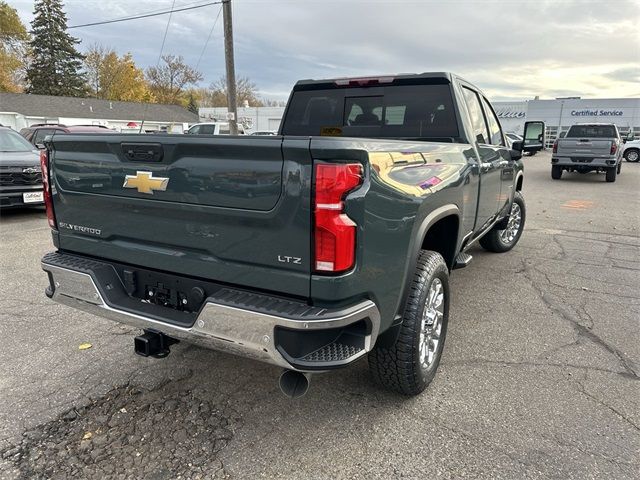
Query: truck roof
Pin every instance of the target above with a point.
(378, 79)
(594, 124)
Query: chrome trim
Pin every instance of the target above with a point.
(219, 327)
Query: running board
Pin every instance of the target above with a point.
(462, 260)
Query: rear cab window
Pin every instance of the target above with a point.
(592, 131)
(390, 111)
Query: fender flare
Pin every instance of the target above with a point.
(387, 338)
(519, 175)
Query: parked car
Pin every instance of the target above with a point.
(588, 147)
(631, 150)
(307, 250)
(213, 128)
(20, 172)
(37, 133)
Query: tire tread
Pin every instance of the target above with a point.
(397, 367)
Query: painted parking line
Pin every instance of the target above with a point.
(578, 204)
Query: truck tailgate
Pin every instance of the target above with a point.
(227, 209)
(584, 146)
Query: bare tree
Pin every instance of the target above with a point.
(167, 81)
(246, 91)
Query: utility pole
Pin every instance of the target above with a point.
(231, 71)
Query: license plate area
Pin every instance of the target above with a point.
(165, 290)
(33, 197)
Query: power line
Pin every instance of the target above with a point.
(164, 39)
(208, 38)
(146, 15)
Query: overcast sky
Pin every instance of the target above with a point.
(512, 49)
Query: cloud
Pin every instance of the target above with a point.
(514, 50)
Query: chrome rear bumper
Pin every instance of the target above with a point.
(240, 331)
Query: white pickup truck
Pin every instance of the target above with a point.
(588, 147)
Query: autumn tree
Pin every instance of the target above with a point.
(168, 80)
(246, 92)
(56, 65)
(111, 77)
(13, 38)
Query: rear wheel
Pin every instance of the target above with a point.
(556, 172)
(611, 174)
(410, 363)
(502, 240)
(632, 155)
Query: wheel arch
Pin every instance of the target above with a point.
(438, 231)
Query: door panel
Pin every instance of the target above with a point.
(489, 163)
(504, 164)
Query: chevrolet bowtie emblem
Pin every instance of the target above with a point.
(145, 183)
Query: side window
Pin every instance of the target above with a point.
(207, 129)
(195, 130)
(480, 132)
(41, 133)
(495, 131)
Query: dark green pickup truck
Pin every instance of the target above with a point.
(306, 250)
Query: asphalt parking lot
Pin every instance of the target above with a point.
(540, 375)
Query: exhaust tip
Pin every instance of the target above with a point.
(294, 384)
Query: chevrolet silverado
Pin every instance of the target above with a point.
(331, 241)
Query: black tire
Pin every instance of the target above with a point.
(611, 174)
(495, 240)
(632, 155)
(400, 367)
(619, 167)
(556, 172)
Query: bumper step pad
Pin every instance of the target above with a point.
(334, 352)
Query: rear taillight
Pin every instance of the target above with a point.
(48, 199)
(614, 148)
(335, 232)
(555, 146)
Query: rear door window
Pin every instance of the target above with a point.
(207, 129)
(495, 133)
(480, 132)
(397, 111)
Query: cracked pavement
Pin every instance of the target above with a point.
(539, 379)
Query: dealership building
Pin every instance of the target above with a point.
(559, 114)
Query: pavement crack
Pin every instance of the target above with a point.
(574, 320)
(507, 363)
(583, 390)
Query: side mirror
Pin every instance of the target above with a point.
(40, 146)
(533, 137)
(630, 136)
(516, 150)
(562, 134)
